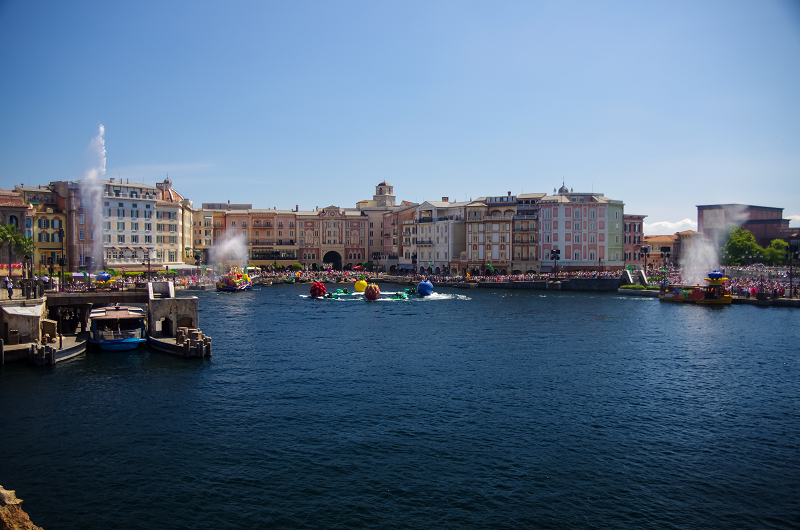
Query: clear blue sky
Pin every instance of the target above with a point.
(664, 105)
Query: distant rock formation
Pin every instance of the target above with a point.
(12, 517)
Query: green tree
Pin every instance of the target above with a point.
(739, 244)
(24, 246)
(297, 266)
(9, 235)
(775, 253)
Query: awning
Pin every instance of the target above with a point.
(117, 248)
(181, 266)
(407, 267)
(144, 248)
(131, 249)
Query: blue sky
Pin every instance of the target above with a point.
(664, 105)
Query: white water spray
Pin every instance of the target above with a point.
(92, 194)
(230, 250)
(698, 258)
(699, 255)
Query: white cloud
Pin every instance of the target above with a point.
(668, 228)
(794, 220)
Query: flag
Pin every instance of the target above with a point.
(491, 267)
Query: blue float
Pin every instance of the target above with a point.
(425, 288)
(104, 276)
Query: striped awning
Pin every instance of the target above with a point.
(117, 248)
(131, 249)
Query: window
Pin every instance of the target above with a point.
(120, 239)
(577, 255)
(244, 224)
(80, 235)
(134, 239)
(107, 239)
(120, 212)
(576, 238)
(233, 224)
(148, 227)
(120, 226)
(134, 226)
(148, 239)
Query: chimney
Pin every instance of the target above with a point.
(111, 179)
(509, 194)
(445, 199)
(296, 207)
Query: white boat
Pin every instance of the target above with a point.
(117, 327)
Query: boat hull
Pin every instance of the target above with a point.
(243, 287)
(724, 300)
(118, 345)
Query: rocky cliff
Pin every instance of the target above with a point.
(12, 517)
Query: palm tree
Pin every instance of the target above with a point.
(9, 235)
(24, 246)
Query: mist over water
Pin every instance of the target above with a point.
(699, 257)
(92, 191)
(230, 250)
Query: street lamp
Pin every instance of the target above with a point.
(63, 260)
(791, 255)
(147, 262)
(555, 255)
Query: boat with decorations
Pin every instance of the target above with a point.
(117, 328)
(714, 292)
(234, 281)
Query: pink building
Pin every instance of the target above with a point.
(632, 239)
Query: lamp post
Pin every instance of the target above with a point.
(792, 254)
(63, 260)
(146, 261)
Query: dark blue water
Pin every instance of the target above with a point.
(479, 409)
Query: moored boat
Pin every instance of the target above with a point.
(714, 293)
(117, 328)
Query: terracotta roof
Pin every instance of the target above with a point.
(18, 204)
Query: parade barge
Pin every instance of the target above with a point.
(714, 293)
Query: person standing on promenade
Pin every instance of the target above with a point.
(10, 287)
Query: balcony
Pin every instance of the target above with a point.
(426, 219)
(425, 242)
(527, 216)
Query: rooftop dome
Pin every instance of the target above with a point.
(562, 190)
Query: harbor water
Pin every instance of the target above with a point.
(470, 409)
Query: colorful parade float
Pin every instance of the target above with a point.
(235, 280)
(714, 293)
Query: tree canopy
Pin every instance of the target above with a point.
(741, 248)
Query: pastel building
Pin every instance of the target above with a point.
(441, 235)
(45, 224)
(525, 250)
(587, 229)
(488, 235)
(633, 232)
